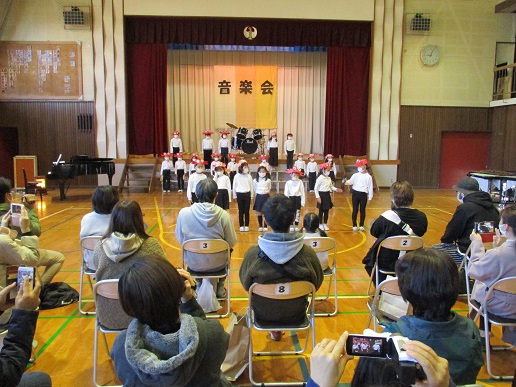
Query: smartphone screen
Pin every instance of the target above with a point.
(369, 346)
(26, 271)
(16, 211)
(486, 230)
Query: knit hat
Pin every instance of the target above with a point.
(233, 156)
(467, 185)
(217, 164)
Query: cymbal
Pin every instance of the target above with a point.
(231, 125)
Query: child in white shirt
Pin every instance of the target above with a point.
(290, 149)
(312, 168)
(224, 146)
(224, 185)
(295, 190)
(216, 159)
(193, 163)
(194, 180)
(166, 172)
(207, 146)
(323, 187)
(263, 162)
(262, 188)
(300, 163)
(176, 145)
(180, 167)
(361, 192)
(333, 169)
(232, 167)
(243, 192)
(272, 148)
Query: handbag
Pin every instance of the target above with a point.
(207, 298)
(237, 355)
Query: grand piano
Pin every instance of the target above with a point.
(80, 165)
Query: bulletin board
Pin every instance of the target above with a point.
(40, 71)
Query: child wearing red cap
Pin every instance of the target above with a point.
(323, 187)
(232, 166)
(295, 190)
(224, 146)
(300, 163)
(166, 172)
(290, 149)
(180, 166)
(207, 146)
(312, 168)
(176, 145)
(361, 192)
(272, 147)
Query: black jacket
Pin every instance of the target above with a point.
(383, 228)
(16, 351)
(477, 207)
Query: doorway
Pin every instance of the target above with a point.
(8, 149)
(462, 152)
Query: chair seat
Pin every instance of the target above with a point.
(328, 271)
(380, 317)
(217, 273)
(88, 271)
(493, 317)
(278, 325)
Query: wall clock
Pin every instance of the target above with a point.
(430, 55)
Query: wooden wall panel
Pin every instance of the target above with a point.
(48, 128)
(498, 119)
(509, 145)
(420, 138)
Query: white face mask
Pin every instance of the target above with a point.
(360, 170)
(261, 174)
(246, 170)
(166, 159)
(289, 138)
(460, 196)
(176, 136)
(503, 229)
(179, 159)
(232, 160)
(215, 159)
(198, 170)
(223, 136)
(330, 160)
(219, 173)
(295, 177)
(312, 160)
(326, 173)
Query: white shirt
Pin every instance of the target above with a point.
(223, 182)
(212, 167)
(166, 164)
(290, 145)
(323, 184)
(311, 167)
(192, 167)
(272, 143)
(295, 188)
(176, 143)
(194, 179)
(300, 164)
(333, 167)
(232, 166)
(180, 164)
(243, 182)
(362, 182)
(207, 143)
(223, 143)
(262, 186)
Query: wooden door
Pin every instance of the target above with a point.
(462, 152)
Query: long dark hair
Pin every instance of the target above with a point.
(127, 218)
(267, 174)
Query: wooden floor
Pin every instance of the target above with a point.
(65, 337)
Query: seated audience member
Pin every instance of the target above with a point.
(280, 257)
(124, 242)
(206, 220)
(429, 280)
(329, 358)
(401, 219)
(169, 342)
(17, 346)
(493, 265)
(96, 223)
(476, 206)
(311, 227)
(51, 260)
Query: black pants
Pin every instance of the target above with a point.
(231, 177)
(290, 159)
(312, 177)
(323, 216)
(207, 156)
(166, 179)
(273, 157)
(244, 204)
(180, 179)
(224, 152)
(175, 150)
(358, 199)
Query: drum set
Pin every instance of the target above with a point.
(247, 140)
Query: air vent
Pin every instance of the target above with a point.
(76, 17)
(419, 23)
(85, 122)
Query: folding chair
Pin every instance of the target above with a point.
(506, 285)
(107, 289)
(399, 243)
(389, 286)
(325, 245)
(210, 246)
(86, 244)
(281, 291)
(464, 266)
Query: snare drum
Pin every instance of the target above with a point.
(242, 133)
(257, 134)
(249, 145)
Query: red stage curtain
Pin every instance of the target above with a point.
(146, 79)
(347, 98)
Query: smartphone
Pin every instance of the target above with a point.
(26, 271)
(486, 230)
(16, 212)
(368, 346)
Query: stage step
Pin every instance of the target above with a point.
(140, 170)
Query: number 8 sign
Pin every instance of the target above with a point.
(282, 289)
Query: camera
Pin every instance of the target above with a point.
(16, 213)
(408, 369)
(486, 230)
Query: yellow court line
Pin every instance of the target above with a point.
(160, 225)
(55, 213)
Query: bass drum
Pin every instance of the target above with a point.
(249, 146)
(236, 142)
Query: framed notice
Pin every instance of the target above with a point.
(40, 71)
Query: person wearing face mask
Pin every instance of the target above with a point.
(361, 192)
(272, 148)
(224, 186)
(194, 180)
(180, 166)
(166, 172)
(476, 206)
(323, 187)
(176, 145)
(333, 170)
(487, 267)
(243, 192)
(290, 149)
(263, 162)
(193, 163)
(311, 169)
(216, 160)
(300, 163)
(262, 188)
(295, 190)
(224, 146)
(232, 167)
(207, 146)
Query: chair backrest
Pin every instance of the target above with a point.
(507, 285)
(320, 244)
(282, 291)
(395, 306)
(402, 243)
(205, 246)
(106, 288)
(89, 243)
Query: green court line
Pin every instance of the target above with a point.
(59, 330)
(60, 223)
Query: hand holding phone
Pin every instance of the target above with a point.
(28, 294)
(16, 214)
(369, 346)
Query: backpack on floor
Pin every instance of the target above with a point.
(57, 294)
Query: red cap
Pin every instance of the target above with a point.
(176, 132)
(263, 157)
(361, 162)
(295, 170)
(224, 132)
(166, 154)
(324, 166)
(207, 132)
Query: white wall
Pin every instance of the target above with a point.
(466, 33)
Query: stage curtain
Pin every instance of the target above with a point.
(347, 96)
(146, 76)
(301, 94)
